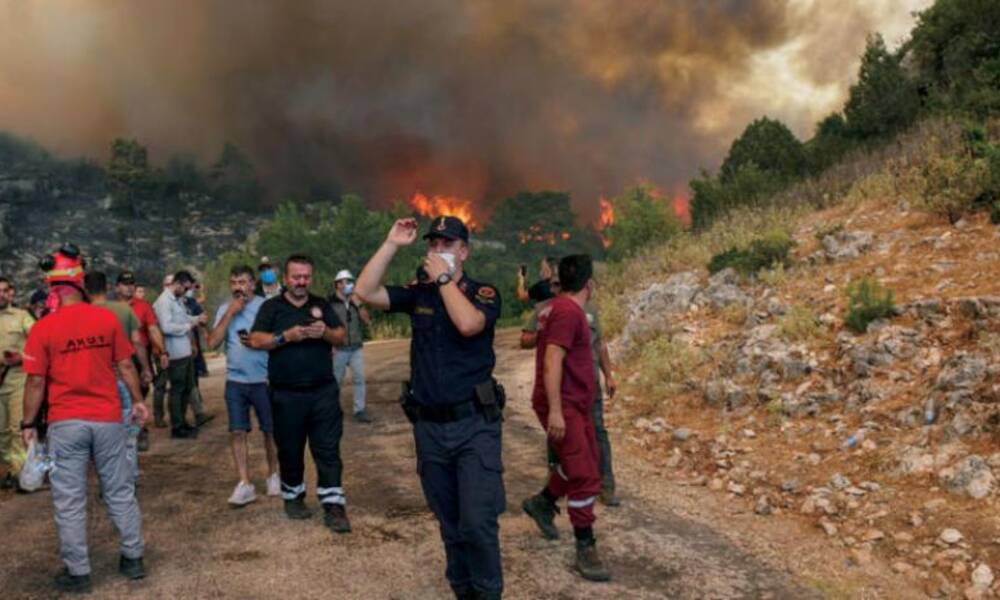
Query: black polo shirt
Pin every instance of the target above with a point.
(446, 366)
(297, 365)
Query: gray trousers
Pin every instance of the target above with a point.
(73, 444)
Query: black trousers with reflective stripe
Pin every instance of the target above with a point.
(312, 415)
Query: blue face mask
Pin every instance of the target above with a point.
(268, 277)
(348, 288)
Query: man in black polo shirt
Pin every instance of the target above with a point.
(299, 330)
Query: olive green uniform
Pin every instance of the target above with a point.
(15, 324)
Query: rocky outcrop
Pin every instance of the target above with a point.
(40, 210)
(844, 245)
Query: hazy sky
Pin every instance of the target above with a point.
(475, 98)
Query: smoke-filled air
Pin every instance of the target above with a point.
(473, 99)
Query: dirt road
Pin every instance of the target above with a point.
(198, 547)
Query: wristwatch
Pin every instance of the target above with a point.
(444, 279)
(30, 425)
(279, 340)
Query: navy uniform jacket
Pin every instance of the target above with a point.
(445, 366)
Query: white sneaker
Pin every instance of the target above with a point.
(274, 485)
(243, 494)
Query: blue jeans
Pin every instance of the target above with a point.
(353, 358)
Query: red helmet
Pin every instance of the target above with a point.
(64, 267)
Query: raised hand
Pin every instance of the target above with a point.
(403, 232)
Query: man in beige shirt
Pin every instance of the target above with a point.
(15, 324)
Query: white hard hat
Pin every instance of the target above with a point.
(343, 274)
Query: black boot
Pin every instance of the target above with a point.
(336, 518)
(542, 511)
(296, 509)
(589, 563)
(73, 584)
(131, 568)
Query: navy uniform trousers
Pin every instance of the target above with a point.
(462, 476)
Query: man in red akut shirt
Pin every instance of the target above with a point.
(73, 353)
(562, 399)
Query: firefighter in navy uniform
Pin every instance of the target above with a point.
(452, 399)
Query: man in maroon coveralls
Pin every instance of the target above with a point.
(562, 398)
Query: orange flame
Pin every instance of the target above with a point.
(447, 206)
(607, 219)
(535, 234)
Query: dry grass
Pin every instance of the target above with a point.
(799, 324)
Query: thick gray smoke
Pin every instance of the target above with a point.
(474, 98)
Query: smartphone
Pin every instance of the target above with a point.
(524, 270)
(242, 332)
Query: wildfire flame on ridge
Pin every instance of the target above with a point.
(444, 206)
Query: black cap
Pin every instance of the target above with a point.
(126, 277)
(451, 228)
(38, 297)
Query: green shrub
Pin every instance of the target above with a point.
(763, 253)
(714, 198)
(642, 218)
(953, 185)
(995, 213)
(867, 301)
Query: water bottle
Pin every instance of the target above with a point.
(46, 462)
(930, 411)
(853, 441)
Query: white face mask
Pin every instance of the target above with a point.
(348, 289)
(189, 293)
(450, 259)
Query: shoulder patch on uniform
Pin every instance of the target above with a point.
(486, 292)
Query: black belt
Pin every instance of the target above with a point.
(447, 414)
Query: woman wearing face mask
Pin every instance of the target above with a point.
(353, 314)
(268, 285)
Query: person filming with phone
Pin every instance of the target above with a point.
(246, 383)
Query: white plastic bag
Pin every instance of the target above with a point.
(38, 463)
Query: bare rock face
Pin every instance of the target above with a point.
(962, 371)
(724, 393)
(652, 306)
(770, 358)
(970, 476)
(722, 291)
(845, 245)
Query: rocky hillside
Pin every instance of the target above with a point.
(888, 441)
(42, 206)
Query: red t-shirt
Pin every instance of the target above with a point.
(564, 323)
(147, 318)
(75, 349)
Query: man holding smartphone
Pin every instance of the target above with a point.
(299, 330)
(246, 383)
